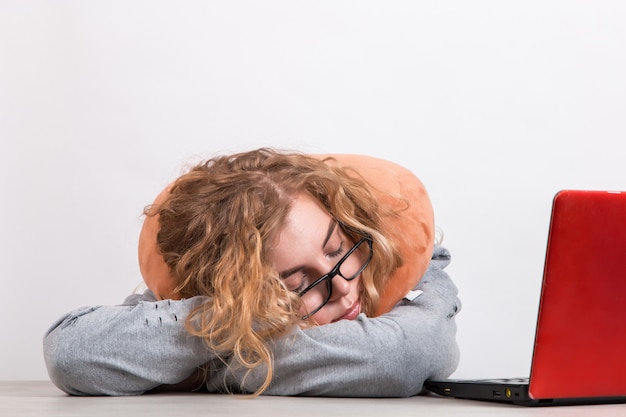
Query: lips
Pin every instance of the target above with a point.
(352, 312)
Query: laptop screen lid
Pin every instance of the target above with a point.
(580, 340)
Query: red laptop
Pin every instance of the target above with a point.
(579, 356)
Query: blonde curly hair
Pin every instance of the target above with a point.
(217, 225)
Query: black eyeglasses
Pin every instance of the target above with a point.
(348, 268)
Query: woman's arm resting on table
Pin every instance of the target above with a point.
(134, 348)
(124, 350)
(388, 356)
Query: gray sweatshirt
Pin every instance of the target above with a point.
(136, 346)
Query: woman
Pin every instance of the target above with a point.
(263, 247)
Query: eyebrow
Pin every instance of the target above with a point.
(331, 228)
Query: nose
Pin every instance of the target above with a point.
(340, 287)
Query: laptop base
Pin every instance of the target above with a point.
(508, 391)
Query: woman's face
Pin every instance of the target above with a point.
(309, 245)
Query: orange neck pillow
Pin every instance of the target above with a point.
(412, 230)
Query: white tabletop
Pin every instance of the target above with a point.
(42, 399)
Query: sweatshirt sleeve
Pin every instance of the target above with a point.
(123, 350)
(388, 356)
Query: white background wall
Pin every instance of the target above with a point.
(495, 106)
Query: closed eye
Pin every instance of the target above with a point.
(304, 282)
(297, 281)
(338, 252)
